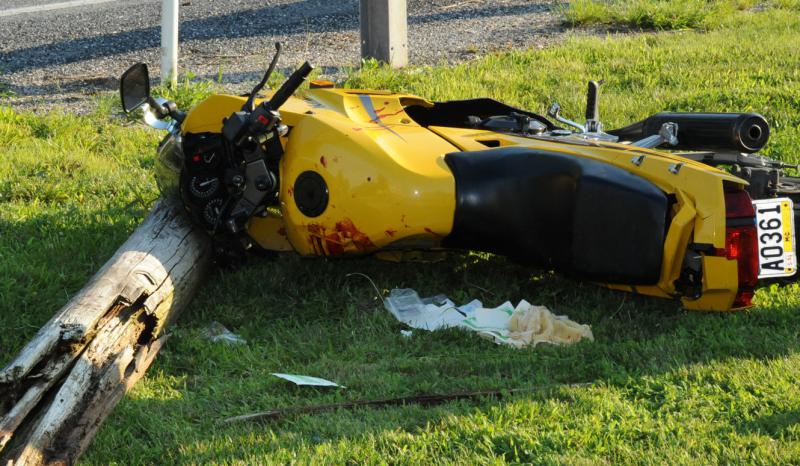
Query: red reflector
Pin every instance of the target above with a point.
(741, 246)
(196, 158)
(738, 204)
(732, 238)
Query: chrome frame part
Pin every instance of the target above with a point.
(152, 120)
(555, 112)
(668, 134)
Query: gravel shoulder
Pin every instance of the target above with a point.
(62, 58)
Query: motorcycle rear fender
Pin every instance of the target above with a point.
(698, 215)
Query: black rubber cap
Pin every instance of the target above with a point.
(311, 194)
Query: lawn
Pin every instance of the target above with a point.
(664, 14)
(663, 385)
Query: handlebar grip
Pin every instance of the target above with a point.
(592, 112)
(290, 85)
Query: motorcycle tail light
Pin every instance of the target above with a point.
(739, 205)
(741, 243)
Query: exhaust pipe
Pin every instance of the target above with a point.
(738, 132)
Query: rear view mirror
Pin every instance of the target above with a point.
(134, 87)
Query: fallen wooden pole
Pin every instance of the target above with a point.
(60, 388)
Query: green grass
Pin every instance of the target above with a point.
(786, 4)
(751, 65)
(662, 14)
(667, 386)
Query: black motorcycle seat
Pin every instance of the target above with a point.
(577, 215)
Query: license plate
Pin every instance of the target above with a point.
(776, 245)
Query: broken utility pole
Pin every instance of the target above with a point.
(60, 388)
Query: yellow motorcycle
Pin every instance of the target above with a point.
(344, 171)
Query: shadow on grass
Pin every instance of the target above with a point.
(779, 425)
(49, 256)
(307, 316)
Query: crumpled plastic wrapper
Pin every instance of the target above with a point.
(216, 332)
(518, 326)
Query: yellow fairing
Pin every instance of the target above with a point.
(270, 233)
(389, 187)
(387, 181)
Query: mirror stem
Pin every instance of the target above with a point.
(161, 110)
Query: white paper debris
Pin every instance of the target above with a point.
(307, 380)
(217, 332)
(505, 324)
(407, 333)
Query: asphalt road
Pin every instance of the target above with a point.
(59, 55)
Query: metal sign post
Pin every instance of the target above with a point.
(169, 42)
(384, 31)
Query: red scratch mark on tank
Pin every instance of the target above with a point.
(384, 115)
(346, 236)
(316, 229)
(282, 231)
(318, 248)
(379, 110)
(432, 232)
(315, 234)
(357, 129)
(291, 191)
(349, 231)
(323, 161)
(334, 244)
(390, 232)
